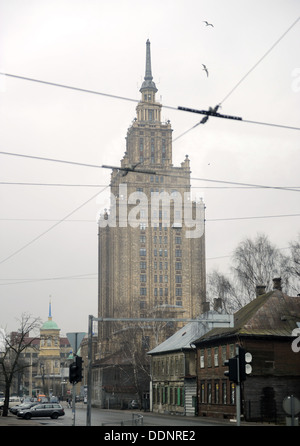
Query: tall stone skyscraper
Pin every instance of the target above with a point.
(151, 242)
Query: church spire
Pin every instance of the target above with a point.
(148, 82)
(50, 315)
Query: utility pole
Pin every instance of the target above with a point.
(226, 320)
(73, 387)
(75, 371)
(238, 388)
(89, 373)
(238, 368)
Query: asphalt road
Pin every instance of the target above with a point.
(113, 418)
(117, 418)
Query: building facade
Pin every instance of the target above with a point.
(173, 366)
(151, 241)
(49, 359)
(150, 260)
(263, 328)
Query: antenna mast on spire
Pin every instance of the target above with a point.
(50, 315)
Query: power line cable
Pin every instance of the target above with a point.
(243, 78)
(14, 183)
(260, 60)
(246, 184)
(252, 217)
(135, 100)
(235, 118)
(24, 281)
(68, 87)
(146, 171)
(207, 219)
(52, 227)
(51, 159)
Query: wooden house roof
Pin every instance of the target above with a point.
(270, 314)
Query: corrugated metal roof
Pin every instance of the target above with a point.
(184, 337)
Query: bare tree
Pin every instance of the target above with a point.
(294, 263)
(221, 287)
(254, 262)
(257, 262)
(14, 345)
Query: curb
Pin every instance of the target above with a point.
(13, 420)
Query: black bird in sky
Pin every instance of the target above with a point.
(208, 24)
(205, 69)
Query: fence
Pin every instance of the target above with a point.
(135, 420)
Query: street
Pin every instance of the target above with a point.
(110, 418)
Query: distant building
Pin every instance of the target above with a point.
(151, 258)
(263, 328)
(173, 366)
(53, 360)
(46, 361)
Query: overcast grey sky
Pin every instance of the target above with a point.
(101, 46)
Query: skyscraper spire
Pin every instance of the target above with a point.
(148, 74)
(148, 82)
(50, 315)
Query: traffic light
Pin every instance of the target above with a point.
(75, 370)
(242, 363)
(245, 359)
(72, 373)
(79, 362)
(232, 371)
(239, 366)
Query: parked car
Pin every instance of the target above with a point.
(133, 404)
(13, 401)
(53, 410)
(27, 405)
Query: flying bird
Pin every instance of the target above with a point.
(205, 69)
(208, 24)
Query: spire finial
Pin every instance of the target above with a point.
(148, 73)
(50, 315)
(148, 82)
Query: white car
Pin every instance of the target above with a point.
(13, 401)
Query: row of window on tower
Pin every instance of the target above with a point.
(160, 268)
(154, 155)
(161, 265)
(160, 252)
(149, 114)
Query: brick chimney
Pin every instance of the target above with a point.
(218, 303)
(260, 289)
(277, 283)
(205, 306)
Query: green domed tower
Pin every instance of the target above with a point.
(49, 354)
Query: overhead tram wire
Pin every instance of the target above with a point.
(24, 281)
(148, 172)
(260, 60)
(206, 219)
(14, 183)
(83, 90)
(52, 227)
(243, 78)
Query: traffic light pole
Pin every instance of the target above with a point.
(74, 388)
(73, 403)
(223, 319)
(238, 389)
(89, 372)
